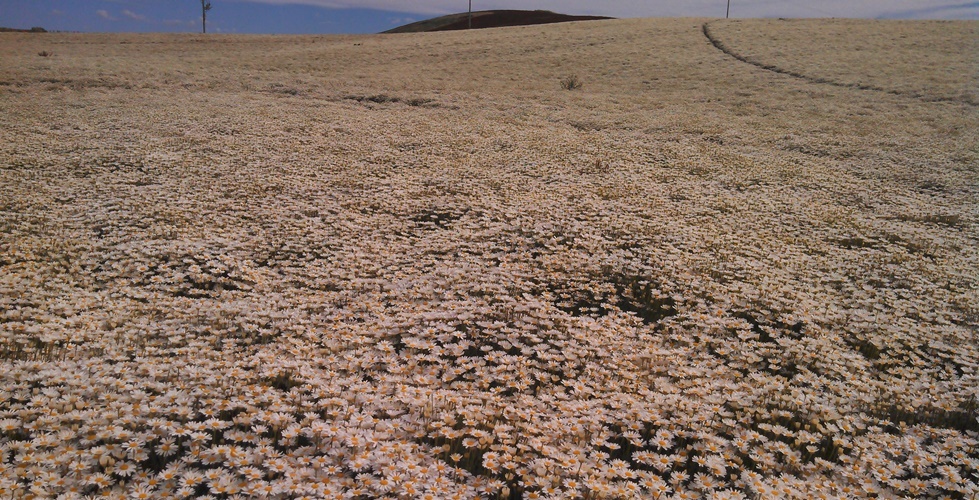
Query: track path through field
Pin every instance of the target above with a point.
(720, 45)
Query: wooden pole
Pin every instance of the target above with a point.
(205, 6)
(728, 15)
(471, 14)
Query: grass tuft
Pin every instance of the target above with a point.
(571, 82)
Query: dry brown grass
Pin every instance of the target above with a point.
(414, 262)
(930, 59)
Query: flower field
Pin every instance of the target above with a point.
(415, 266)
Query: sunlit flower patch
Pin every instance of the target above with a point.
(309, 267)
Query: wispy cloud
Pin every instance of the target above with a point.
(104, 14)
(132, 15)
(57, 12)
(695, 8)
(941, 11)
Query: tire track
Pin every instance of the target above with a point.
(719, 45)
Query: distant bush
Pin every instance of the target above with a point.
(45, 53)
(571, 82)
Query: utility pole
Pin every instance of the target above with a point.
(205, 6)
(471, 14)
(728, 15)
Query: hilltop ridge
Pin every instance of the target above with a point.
(36, 29)
(491, 19)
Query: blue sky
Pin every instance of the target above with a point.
(371, 16)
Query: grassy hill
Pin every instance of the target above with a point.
(490, 19)
(15, 30)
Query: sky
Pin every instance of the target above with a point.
(372, 16)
